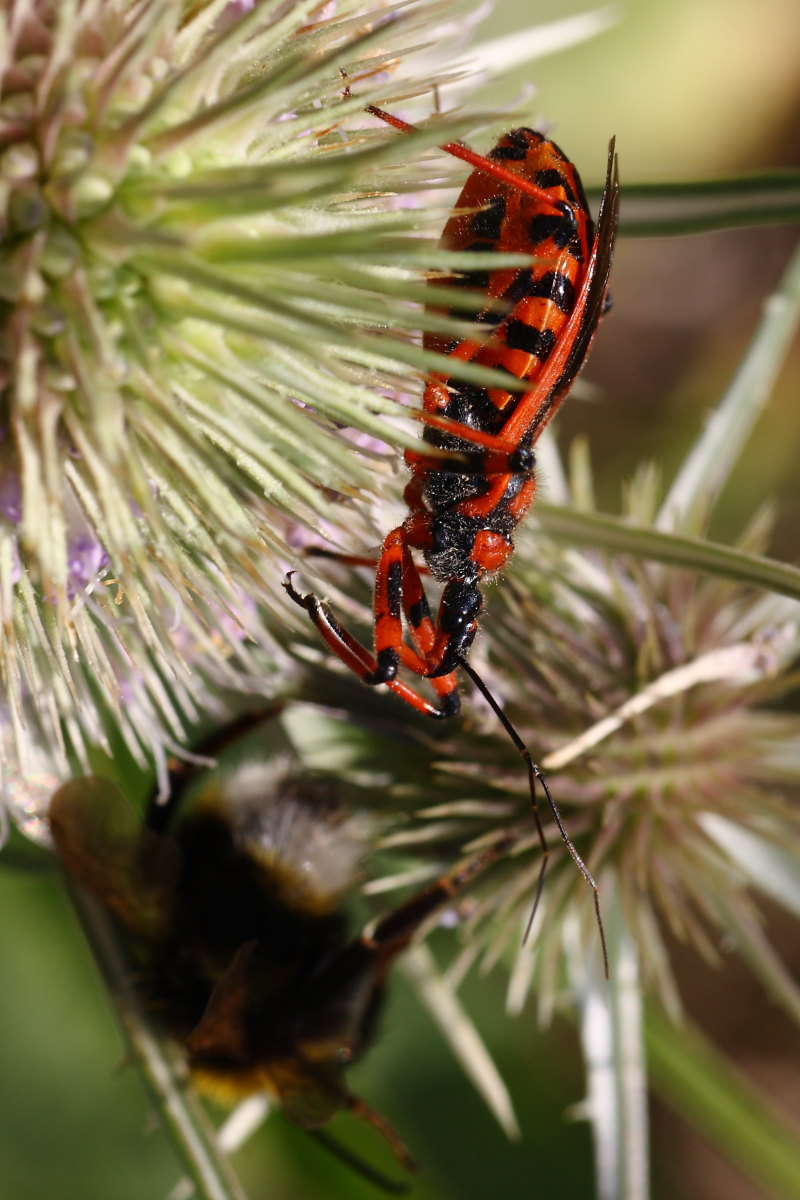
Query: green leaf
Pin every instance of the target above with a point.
(613, 534)
(676, 209)
(697, 1082)
(707, 467)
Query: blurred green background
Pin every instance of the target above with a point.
(690, 87)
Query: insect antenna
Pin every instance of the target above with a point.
(535, 775)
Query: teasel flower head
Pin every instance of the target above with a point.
(647, 668)
(202, 281)
(644, 666)
(647, 693)
(201, 262)
(649, 696)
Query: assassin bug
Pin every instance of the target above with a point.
(525, 196)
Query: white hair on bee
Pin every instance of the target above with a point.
(295, 827)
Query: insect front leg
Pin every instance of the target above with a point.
(393, 932)
(399, 596)
(363, 663)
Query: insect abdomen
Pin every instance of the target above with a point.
(532, 306)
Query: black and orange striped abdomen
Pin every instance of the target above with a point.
(516, 335)
(493, 215)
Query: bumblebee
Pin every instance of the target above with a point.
(235, 906)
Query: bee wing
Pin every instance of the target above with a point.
(222, 1031)
(104, 845)
(305, 1076)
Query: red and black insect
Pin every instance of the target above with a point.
(535, 330)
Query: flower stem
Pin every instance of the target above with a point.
(696, 1081)
(181, 1111)
(605, 532)
(677, 209)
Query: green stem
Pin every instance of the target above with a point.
(677, 209)
(697, 1082)
(605, 532)
(179, 1108)
(707, 467)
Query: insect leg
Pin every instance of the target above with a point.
(355, 656)
(481, 162)
(502, 460)
(373, 952)
(393, 1187)
(391, 934)
(399, 593)
(365, 1112)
